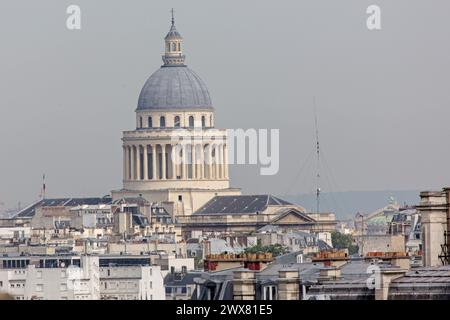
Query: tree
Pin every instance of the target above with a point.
(343, 241)
(274, 249)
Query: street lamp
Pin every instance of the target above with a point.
(359, 215)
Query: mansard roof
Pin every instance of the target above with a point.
(240, 204)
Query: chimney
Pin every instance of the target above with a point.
(244, 285)
(332, 258)
(397, 259)
(288, 284)
(329, 273)
(385, 278)
(434, 210)
(403, 263)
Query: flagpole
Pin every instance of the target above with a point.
(43, 186)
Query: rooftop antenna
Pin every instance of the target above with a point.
(173, 19)
(318, 158)
(43, 186)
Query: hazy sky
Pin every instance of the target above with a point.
(383, 96)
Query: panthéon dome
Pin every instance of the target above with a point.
(174, 85)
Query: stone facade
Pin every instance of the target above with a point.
(435, 210)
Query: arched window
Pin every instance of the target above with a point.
(191, 121)
(203, 121)
(176, 122)
(179, 46)
(150, 124)
(140, 122)
(174, 46)
(162, 122)
(211, 121)
(168, 47)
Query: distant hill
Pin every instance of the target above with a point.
(347, 204)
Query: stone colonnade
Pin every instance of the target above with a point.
(160, 161)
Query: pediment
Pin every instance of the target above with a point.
(292, 216)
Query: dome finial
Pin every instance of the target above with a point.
(173, 54)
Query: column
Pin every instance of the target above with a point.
(194, 161)
(163, 160)
(216, 160)
(202, 162)
(225, 151)
(138, 162)
(125, 162)
(184, 163)
(209, 163)
(173, 159)
(129, 162)
(154, 165)
(221, 161)
(145, 164)
(133, 163)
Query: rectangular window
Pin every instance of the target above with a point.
(270, 293)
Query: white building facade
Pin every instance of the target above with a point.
(53, 283)
(132, 283)
(39, 278)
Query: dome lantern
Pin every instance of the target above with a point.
(174, 86)
(173, 55)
